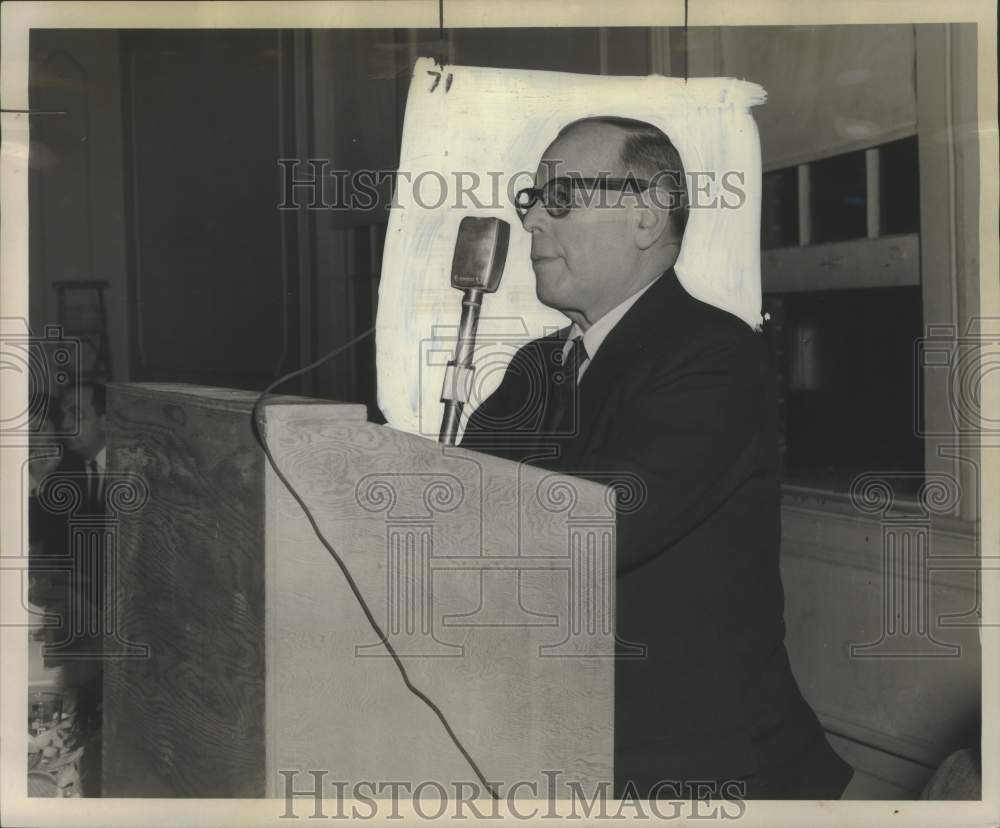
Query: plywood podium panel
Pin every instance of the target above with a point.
(494, 583)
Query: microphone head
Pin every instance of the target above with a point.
(480, 253)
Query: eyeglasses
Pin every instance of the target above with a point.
(557, 195)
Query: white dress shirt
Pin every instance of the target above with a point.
(598, 332)
(100, 460)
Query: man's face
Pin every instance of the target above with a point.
(43, 454)
(83, 418)
(582, 260)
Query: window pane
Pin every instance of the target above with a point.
(779, 221)
(837, 192)
(846, 382)
(899, 183)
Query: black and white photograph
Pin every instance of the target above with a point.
(446, 411)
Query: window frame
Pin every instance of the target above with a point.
(942, 259)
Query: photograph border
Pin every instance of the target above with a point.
(18, 18)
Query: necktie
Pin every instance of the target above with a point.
(563, 389)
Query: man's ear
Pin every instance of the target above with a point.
(652, 224)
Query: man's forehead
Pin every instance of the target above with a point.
(587, 150)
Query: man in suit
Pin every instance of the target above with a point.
(46, 532)
(675, 397)
(82, 415)
(84, 419)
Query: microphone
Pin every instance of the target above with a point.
(480, 255)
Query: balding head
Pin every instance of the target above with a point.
(643, 152)
(616, 238)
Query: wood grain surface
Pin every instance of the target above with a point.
(489, 577)
(189, 719)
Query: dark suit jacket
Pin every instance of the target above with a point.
(67, 588)
(48, 536)
(681, 397)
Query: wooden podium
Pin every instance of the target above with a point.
(241, 652)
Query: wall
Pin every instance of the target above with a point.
(76, 187)
(899, 573)
(212, 296)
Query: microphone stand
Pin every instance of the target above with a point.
(458, 374)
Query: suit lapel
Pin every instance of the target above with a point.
(625, 346)
(639, 334)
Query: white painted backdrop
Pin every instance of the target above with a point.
(496, 123)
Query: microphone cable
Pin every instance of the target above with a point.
(383, 639)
